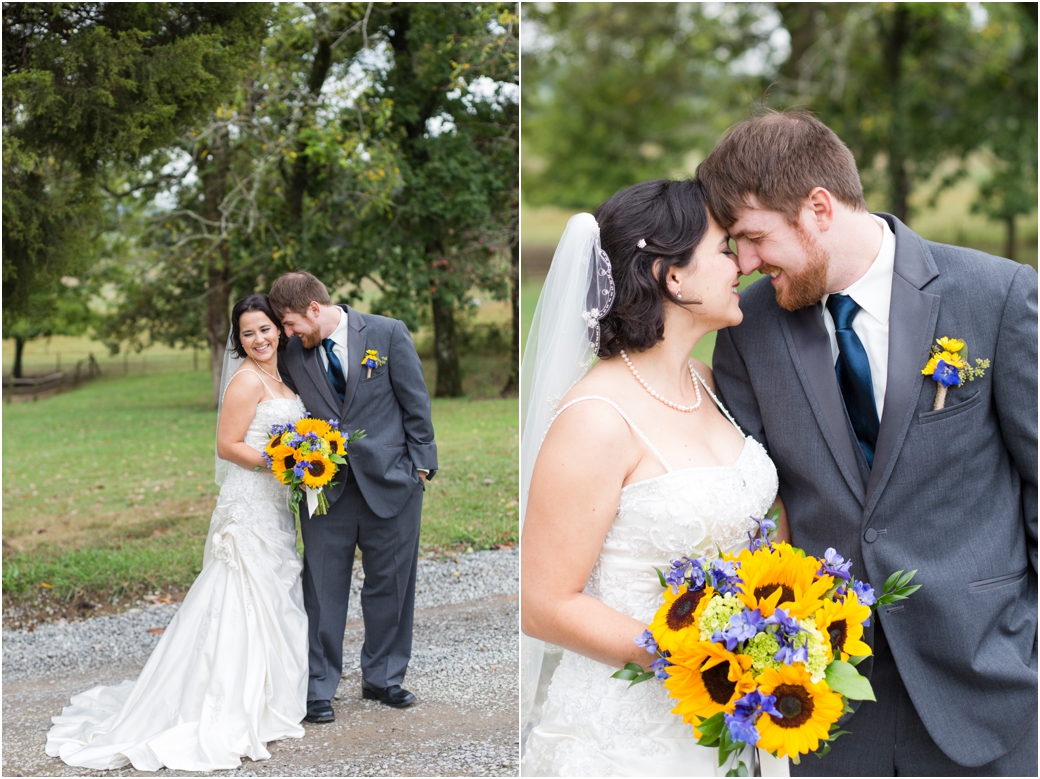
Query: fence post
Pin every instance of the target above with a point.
(36, 387)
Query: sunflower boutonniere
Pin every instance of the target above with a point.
(372, 360)
(948, 366)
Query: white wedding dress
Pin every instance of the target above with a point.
(230, 672)
(593, 725)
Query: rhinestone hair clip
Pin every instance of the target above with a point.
(641, 243)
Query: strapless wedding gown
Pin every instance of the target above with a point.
(230, 671)
(592, 725)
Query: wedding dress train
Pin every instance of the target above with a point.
(593, 725)
(230, 671)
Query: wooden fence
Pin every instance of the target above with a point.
(51, 383)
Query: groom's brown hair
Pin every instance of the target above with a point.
(778, 158)
(295, 292)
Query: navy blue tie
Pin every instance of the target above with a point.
(853, 372)
(335, 368)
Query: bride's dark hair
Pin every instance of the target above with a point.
(257, 302)
(671, 217)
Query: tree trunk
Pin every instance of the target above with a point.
(449, 380)
(799, 19)
(513, 381)
(1009, 237)
(218, 273)
(19, 350)
(895, 40)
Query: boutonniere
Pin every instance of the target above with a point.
(372, 360)
(949, 367)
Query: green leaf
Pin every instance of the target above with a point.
(660, 577)
(642, 678)
(711, 728)
(843, 678)
(891, 580)
(857, 660)
(823, 750)
(740, 770)
(629, 672)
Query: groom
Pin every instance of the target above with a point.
(826, 371)
(377, 501)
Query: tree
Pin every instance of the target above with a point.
(64, 311)
(616, 93)
(90, 84)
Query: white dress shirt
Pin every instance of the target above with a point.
(873, 293)
(339, 345)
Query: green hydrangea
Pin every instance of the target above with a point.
(761, 649)
(717, 613)
(818, 647)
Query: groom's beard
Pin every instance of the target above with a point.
(310, 340)
(808, 286)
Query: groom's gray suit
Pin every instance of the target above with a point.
(952, 493)
(375, 505)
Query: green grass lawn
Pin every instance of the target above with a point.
(117, 498)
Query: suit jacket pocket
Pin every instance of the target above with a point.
(997, 581)
(926, 417)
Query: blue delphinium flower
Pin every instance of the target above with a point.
(660, 667)
(647, 642)
(746, 711)
(267, 459)
(864, 593)
(685, 570)
(763, 537)
(334, 424)
(788, 628)
(742, 627)
(724, 578)
(299, 468)
(835, 565)
(946, 374)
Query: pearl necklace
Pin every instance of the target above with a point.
(693, 377)
(277, 378)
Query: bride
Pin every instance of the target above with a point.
(639, 464)
(230, 672)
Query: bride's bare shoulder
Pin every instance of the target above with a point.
(591, 406)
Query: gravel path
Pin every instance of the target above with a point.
(464, 670)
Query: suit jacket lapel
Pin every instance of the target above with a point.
(911, 327)
(356, 342)
(312, 363)
(811, 351)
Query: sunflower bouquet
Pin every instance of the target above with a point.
(759, 648)
(306, 455)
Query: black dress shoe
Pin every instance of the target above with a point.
(319, 711)
(394, 695)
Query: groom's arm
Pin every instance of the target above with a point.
(1015, 391)
(734, 387)
(406, 380)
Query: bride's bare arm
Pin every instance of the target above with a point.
(241, 398)
(575, 489)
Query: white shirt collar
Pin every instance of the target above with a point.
(873, 290)
(339, 335)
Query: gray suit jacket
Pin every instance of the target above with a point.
(392, 407)
(953, 492)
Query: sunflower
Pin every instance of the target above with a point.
(283, 458)
(842, 622)
(781, 577)
(706, 678)
(337, 443)
(308, 425)
(319, 470)
(678, 618)
(809, 709)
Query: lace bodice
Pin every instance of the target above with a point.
(593, 725)
(245, 487)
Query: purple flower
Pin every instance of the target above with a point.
(267, 459)
(742, 627)
(746, 711)
(647, 642)
(299, 469)
(836, 565)
(946, 374)
(724, 578)
(686, 570)
(334, 424)
(864, 593)
(788, 654)
(763, 538)
(660, 667)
